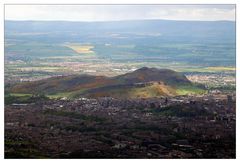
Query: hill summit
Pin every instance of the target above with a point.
(146, 74)
(142, 83)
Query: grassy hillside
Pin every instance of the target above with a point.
(61, 84)
(142, 83)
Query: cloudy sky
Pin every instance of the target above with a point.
(119, 12)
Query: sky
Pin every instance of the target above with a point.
(119, 12)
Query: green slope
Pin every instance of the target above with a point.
(142, 83)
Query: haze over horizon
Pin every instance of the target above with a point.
(94, 13)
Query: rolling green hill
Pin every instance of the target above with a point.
(142, 83)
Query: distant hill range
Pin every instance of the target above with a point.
(142, 83)
(59, 31)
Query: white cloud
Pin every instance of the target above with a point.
(209, 14)
(119, 12)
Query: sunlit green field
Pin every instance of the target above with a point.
(186, 90)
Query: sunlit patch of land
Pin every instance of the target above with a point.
(206, 69)
(221, 68)
(81, 49)
(154, 90)
(20, 94)
(187, 90)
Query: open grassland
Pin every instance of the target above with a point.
(69, 95)
(206, 69)
(187, 90)
(221, 68)
(154, 90)
(20, 94)
(81, 49)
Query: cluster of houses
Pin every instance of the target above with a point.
(126, 128)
